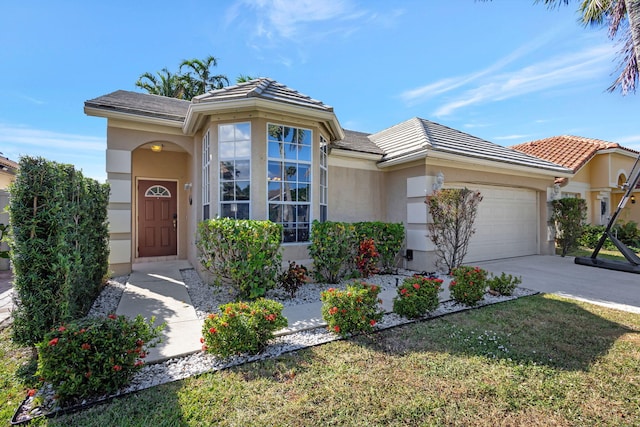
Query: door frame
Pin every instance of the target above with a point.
(136, 213)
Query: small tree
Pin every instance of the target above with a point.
(568, 217)
(453, 213)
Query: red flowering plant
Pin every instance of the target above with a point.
(468, 284)
(242, 327)
(356, 309)
(417, 296)
(95, 356)
(367, 258)
(293, 278)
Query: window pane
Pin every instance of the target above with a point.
(226, 132)
(242, 211)
(305, 138)
(274, 150)
(243, 132)
(304, 173)
(303, 213)
(243, 169)
(226, 171)
(275, 212)
(290, 151)
(289, 193)
(275, 133)
(243, 149)
(289, 234)
(226, 150)
(226, 212)
(303, 192)
(289, 134)
(304, 153)
(242, 190)
(227, 190)
(291, 172)
(288, 213)
(275, 191)
(275, 171)
(303, 232)
(323, 213)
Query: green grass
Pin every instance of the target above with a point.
(540, 360)
(604, 253)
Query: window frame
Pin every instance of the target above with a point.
(235, 204)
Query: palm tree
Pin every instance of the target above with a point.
(166, 84)
(244, 78)
(198, 78)
(623, 19)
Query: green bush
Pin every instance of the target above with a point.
(503, 284)
(590, 236)
(388, 239)
(417, 296)
(628, 233)
(568, 216)
(245, 252)
(293, 278)
(353, 310)
(333, 249)
(242, 327)
(468, 285)
(95, 356)
(59, 245)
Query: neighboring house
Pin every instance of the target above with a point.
(261, 150)
(600, 169)
(8, 170)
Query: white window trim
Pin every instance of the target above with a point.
(206, 172)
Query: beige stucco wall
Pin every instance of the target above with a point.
(4, 219)
(6, 179)
(125, 148)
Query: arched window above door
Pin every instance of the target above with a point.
(157, 191)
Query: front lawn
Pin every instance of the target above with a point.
(541, 360)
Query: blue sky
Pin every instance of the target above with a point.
(508, 71)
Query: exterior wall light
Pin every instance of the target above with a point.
(633, 199)
(156, 148)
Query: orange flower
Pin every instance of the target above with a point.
(117, 368)
(53, 341)
(62, 329)
(333, 310)
(86, 346)
(31, 392)
(112, 316)
(372, 322)
(336, 328)
(212, 330)
(416, 286)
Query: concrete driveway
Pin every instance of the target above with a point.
(558, 275)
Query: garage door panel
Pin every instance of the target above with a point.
(506, 225)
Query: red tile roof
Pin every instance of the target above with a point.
(570, 151)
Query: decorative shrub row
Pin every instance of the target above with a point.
(95, 356)
(245, 252)
(353, 310)
(242, 327)
(338, 248)
(59, 245)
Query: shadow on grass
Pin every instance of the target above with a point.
(539, 330)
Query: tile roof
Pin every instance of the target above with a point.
(357, 141)
(264, 88)
(8, 164)
(570, 151)
(142, 104)
(416, 135)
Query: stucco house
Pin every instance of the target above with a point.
(8, 170)
(262, 150)
(600, 169)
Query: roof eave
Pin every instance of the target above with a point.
(141, 118)
(355, 154)
(197, 112)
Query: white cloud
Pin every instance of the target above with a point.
(556, 72)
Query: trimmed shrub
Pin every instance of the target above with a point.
(468, 285)
(568, 216)
(388, 239)
(293, 278)
(242, 327)
(353, 310)
(59, 245)
(95, 356)
(503, 284)
(332, 249)
(245, 252)
(417, 296)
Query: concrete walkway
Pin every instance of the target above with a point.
(156, 289)
(6, 296)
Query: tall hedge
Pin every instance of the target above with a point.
(59, 245)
